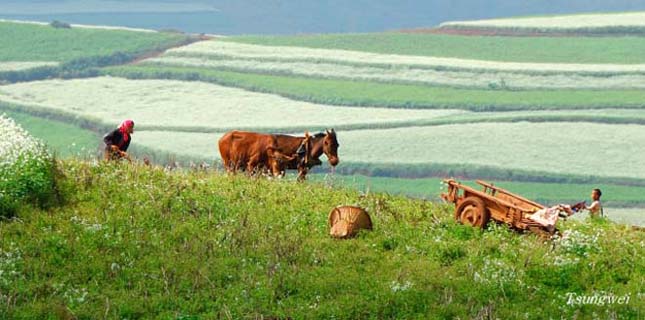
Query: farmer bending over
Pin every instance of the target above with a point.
(118, 140)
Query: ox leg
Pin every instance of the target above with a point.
(302, 174)
(252, 165)
(228, 166)
(276, 168)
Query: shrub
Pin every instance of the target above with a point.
(26, 169)
(60, 25)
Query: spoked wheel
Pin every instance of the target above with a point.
(472, 211)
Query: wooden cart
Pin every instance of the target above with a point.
(477, 208)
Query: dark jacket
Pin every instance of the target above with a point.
(115, 137)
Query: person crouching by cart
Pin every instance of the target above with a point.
(118, 140)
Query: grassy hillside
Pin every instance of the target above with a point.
(137, 242)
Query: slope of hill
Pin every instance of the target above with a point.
(135, 241)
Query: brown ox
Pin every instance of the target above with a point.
(314, 146)
(250, 151)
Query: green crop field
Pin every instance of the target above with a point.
(623, 50)
(65, 139)
(35, 42)
(545, 193)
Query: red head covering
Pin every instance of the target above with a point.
(125, 125)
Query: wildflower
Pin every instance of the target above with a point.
(25, 164)
(395, 286)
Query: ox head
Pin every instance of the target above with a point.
(330, 147)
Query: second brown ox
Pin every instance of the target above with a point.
(251, 152)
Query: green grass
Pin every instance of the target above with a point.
(359, 93)
(30, 42)
(620, 50)
(66, 140)
(136, 242)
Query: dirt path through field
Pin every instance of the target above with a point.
(190, 40)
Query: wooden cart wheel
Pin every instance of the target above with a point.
(472, 211)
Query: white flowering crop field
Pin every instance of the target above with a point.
(24, 65)
(191, 144)
(605, 20)
(564, 148)
(196, 106)
(560, 148)
(409, 74)
(16, 144)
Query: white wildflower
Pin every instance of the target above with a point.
(396, 286)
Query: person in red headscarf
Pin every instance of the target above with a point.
(118, 140)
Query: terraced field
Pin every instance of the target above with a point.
(195, 106)
(610, 50)
(265, 53)
(559, 109)
(364, 93)
(410, 75)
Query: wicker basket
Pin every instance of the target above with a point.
(346, 221)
